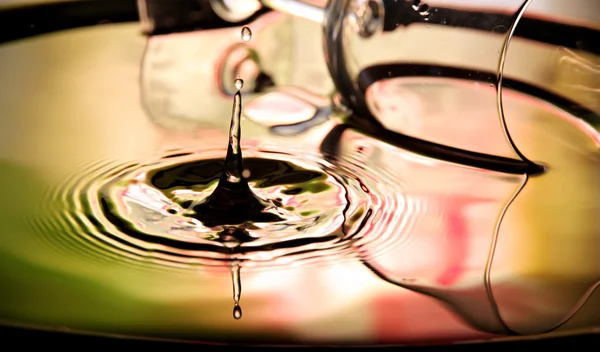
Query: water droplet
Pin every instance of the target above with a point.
(416, 4)
(237, 311)
(239, 83)
(366, 18)
(424, 10)
(237, 291)
(246, 173)
(246, 34)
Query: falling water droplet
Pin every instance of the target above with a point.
(237, 291)
(246, 34)
(237, 311)
(239, 83)
(416, 4)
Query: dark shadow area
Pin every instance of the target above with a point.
(33, 338)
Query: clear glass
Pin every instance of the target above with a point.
(513, 79)
(462, 40)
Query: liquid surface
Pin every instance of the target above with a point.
(100, 233)
(295, 208)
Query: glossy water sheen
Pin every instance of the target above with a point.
(373, 243)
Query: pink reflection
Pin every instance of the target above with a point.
(417, 319)
(344, 302)
(456, 229)
(450, 213)
(435, 109)
(276, 108)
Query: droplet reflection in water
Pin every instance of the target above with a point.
(239, 83)
(246, 34)
(237, 311)
(237, 291)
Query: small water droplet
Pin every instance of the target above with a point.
(366, 18)
(239, 83)
(424, 10)
(246, 34)
(246, 173)
(416, 4)
(237, 311)
(237, 291)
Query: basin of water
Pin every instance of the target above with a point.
(146, 194)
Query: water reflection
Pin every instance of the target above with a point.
(455, 215)
(486, 291)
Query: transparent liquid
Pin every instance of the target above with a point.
(401, 240)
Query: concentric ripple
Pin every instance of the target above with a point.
(149, 212)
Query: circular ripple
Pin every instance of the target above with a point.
(143, 213)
